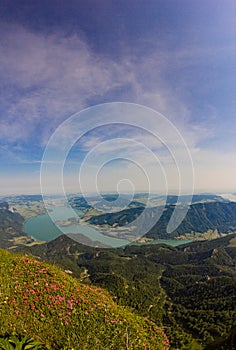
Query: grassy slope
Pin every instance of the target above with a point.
(189, 289)
(47, 304)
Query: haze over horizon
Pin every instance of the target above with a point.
(58, 58)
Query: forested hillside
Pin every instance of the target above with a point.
(11, 227)
(190, 290)
(58, 312)
(200, 218)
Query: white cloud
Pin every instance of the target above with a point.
(49, 77)
(46, 78)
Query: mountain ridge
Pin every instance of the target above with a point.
(200, 218)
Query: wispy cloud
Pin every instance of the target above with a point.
(46, 77)
(49, 77)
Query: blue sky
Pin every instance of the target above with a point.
(59, 57)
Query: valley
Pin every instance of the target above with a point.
(188, 289)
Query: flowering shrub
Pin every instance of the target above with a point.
(49, 305)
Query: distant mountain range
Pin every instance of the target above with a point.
(23, 198)
(139, 200)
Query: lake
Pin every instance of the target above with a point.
(42, 228)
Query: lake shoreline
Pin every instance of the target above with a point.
(42, 229)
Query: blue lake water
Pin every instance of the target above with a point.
(42, 228)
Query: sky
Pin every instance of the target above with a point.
(175, 57)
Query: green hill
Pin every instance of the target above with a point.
(43, 302)
(200, 218)
(190, 289)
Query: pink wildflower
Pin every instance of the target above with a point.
(53, 286)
